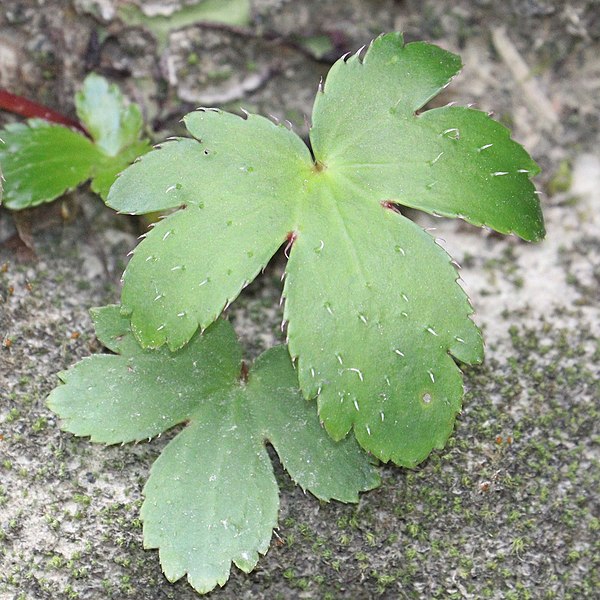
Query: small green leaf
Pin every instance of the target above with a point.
(449, 161)
(42, 161)
(238, 188)
(102, 109)
(375, 313)
(381, 359)
(211, 498)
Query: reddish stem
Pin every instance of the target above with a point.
(30, 109)
(291, 238)
(390, 205)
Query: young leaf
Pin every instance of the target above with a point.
(230, 195)
(375, 312)
(211, 498)
(42, 160)
(450, 161)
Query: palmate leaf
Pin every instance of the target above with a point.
(198, 259)
(450, 161)
(42, 160)
(374, 311)
(211, 498)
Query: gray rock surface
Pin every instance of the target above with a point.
(510, 508)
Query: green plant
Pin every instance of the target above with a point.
(211, 498)
(43, 160)
(375, 314)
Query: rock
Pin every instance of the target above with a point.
(508, 509)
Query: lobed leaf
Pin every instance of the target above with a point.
(42, 161)
(238, 180)
(139, 394)
(211, 498)
(375, 312)
(376, 350)
(451, 161)
(329, 470)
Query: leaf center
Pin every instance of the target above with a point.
(318, 166)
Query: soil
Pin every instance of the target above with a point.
(509, 509)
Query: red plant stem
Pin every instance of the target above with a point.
(30, 109)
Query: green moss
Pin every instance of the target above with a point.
(562, 178)
(39, 424)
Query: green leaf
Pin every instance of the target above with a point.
(42, 161)
(449, 161)
(113, 330)
(238, 189)
(138, 387)
(112, 123)
(375, 350)
(375, 313)
(327, 470)
(211, 498)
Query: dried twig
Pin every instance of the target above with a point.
(532, 92)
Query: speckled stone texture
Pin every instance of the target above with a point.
(510, 508)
